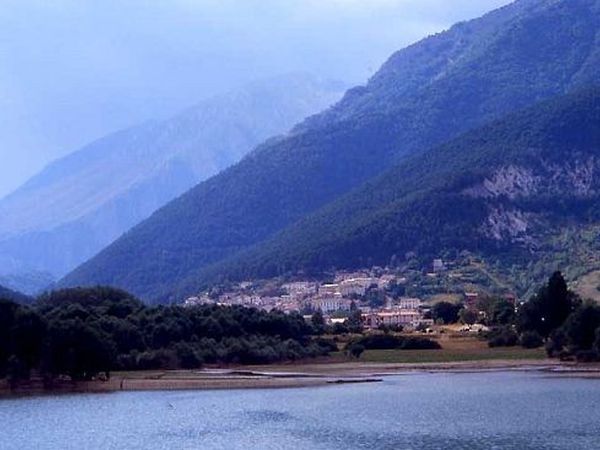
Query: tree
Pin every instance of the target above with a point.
(531, 339)
(318, 322)
(354, 321)
(467, 316)
(501, 312)
(502, 337)
(8, 311)
(28, 335)
(16, 370)
(556, 342)
(88, 332)
(580, 328)
(340, 328)
(597, 342)
(395, 290)
(356, 350)
(79, 350)
(549, 308)
(375, 297)
(445, 312)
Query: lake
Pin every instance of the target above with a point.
(503, 410)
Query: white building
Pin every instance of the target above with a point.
(356, 286)
(329, 289)
(409, 303)
(299, 289)
(438, 265)
(402, 318)
(331, 304)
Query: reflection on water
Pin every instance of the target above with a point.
(421, 411)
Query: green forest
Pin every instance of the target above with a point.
(85, 332)
(420, 207)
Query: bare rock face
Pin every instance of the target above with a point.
(510, 181)
(577, 176)
(508, 224)
(503, 189)
(516, 181)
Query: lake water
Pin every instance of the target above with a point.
(511, 410)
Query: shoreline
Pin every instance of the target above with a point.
(299, 375)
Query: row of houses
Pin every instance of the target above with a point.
(395, 318)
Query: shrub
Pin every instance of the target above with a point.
(586, 356)
(390, 342)
(531, 339)
(339, 328)
(187, 356)
(326, 345)
(502, 337)
(355, 350)
(556, 343)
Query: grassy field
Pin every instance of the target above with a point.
(453, 350)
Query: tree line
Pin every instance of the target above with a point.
(555, 317)
(83, 333)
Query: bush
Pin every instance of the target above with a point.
(586, 356)
(326, 345)
(531, 339)
(445, 312)
(339, 328)
(467, 316)
(157, 359)
(502, 337)
(391, 342)
(556, 343)
(355, 350)
(187, 356)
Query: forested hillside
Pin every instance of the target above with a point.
(423, 96)
(509, 191)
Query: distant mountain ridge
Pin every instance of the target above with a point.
(82, 202)
(425, 95)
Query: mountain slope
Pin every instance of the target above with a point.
(13, 296)
(508, 191)
(424, 95)
(82, 202)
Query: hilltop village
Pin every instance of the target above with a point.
(387, 297)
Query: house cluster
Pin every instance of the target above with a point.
(404, 312)
(334, 299)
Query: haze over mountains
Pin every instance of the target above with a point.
(424, 95)
(82, 202)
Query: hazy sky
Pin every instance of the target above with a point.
(73, 70)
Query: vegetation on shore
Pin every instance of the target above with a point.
(555, 318)
(86, 333)
(470, 349)
(81, 333)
